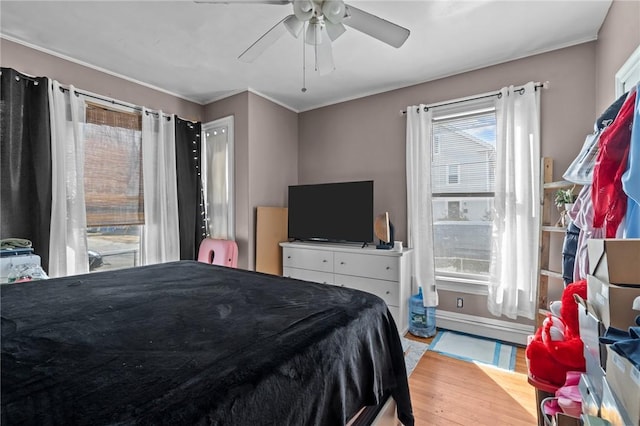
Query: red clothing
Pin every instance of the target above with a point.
(609, 200)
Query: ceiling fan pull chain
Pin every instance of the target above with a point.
(304, 50)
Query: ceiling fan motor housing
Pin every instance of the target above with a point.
(333, 10)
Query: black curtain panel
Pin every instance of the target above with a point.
(25, 160)
(190, 195)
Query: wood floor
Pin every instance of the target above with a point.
(447, 391)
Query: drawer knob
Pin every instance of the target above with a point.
(324, 260)
(342, 263)
(388, 292)
(288, 257)
(388, 267)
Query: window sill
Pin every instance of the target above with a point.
(462, 285)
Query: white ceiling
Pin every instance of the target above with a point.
(190, 49)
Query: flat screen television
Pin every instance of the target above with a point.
(337, 212)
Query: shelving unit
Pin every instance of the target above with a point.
(548, 236)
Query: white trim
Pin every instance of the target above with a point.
(255, 92)
(631, 65)
(464, 286)
(226, 95)
(97, 68)
(269, 98)
(486, 327)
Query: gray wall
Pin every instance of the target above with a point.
(618, 37)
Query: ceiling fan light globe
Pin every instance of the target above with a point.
(334, 10)
(334, 30)
(293, 25)
(303, 9)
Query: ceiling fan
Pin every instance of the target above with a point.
(320, 22)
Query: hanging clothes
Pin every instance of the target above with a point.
(582, 216)
(569, 251)
(631, 178)
(609, 200)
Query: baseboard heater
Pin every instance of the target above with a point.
(486, 327)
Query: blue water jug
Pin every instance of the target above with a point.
(422, 319)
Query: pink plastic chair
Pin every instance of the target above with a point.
(218, 252)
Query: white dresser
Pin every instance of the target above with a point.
(385, 273)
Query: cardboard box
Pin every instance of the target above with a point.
(591, 328)
(611, 408)
(612, 303)
(624, 379)
(616, 261)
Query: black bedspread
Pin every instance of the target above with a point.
(191, 343)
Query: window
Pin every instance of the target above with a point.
(114, 195)
(436, 144)
(453, 174)
(463, 190)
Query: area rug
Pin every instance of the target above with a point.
(413, 351)
(474, 349)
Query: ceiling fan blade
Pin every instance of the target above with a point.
(378, 28)
(267, 39)
(325, 54)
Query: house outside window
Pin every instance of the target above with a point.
(463, 176)
(436, 144)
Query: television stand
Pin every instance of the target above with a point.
(385, 273)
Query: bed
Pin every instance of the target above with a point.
(191, 343)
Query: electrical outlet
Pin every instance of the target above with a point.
(459, 302)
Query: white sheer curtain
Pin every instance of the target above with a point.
(217, 171)
(160, 239)
(419, 209)
(513, 275)
(68, 244)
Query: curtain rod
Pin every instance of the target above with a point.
(114, 102)
(544, 85)
(98, 97)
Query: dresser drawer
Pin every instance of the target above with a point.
(372, 266)
(386, 290)
(316, 260)
(308, 275)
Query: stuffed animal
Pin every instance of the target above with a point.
(556, 347)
